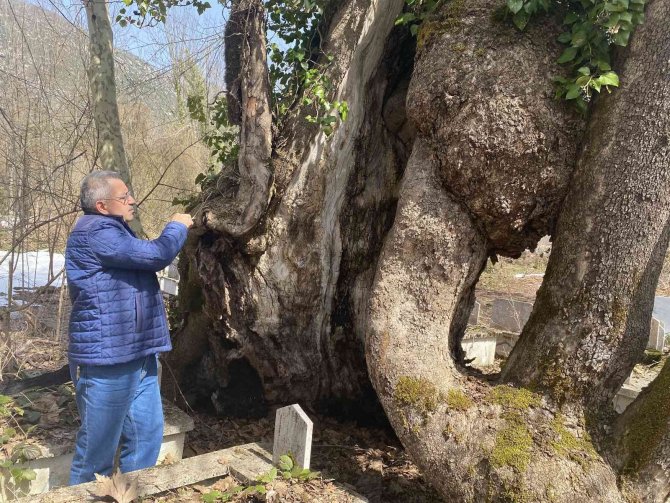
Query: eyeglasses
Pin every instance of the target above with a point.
(124, 198)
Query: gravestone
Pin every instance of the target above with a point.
(474, 314)
(293, 433)
(480, 349)
(656, 335)
(510, 315)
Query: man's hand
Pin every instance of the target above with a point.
(182, 218)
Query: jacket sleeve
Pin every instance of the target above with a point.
(115, 247)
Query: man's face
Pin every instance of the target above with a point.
(119, 202)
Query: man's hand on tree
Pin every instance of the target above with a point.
(182, 218)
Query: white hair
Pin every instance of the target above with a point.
(94, 187)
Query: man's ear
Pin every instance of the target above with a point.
(101, 207)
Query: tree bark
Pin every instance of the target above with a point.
(111, 153)
(286, 302)
(531, 441)
(591, 319)
(248, 94)
(348, 254)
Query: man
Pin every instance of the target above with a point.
(117, 327)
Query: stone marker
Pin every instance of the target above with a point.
(293, 433)
(481, 348)
(656, 335)
(474, 314)
(510, 315)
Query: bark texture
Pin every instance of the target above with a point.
(111, 152)
(345, 254)
(592, 314)
(248, 93)
(530, 441)
(276, 301)
(481, 96)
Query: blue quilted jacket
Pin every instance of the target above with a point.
(117, 307)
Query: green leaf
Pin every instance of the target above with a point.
(565, 37)
(514, 5)
(520, 19)
(609, 79)
(603, 66)
(571, 18)
(573, 92)
(285, 463)
(211, 496)
(621, 38)
(269, 476)
(579, 38)
(4, 399)
(584, 70)
(568, 55)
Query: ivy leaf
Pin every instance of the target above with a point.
(514, 5)
(565, 37)
(573, 92)
(609, 79)
(603, 66)
(568, 55)
(584, 70)
(285, 463)
(520, 19)
(621, 38)
(579, 38)
(572, 17)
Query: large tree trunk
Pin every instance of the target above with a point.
(344, 254)
(111, 153)
(478, 440)
(284, 304)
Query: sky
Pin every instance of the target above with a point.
(203, 34)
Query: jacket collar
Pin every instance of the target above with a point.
(113, 217)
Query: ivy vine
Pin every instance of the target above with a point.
(297, 65)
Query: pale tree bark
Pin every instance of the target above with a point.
(102, 82)
(273, 298)
(248, 96)
(545, 438)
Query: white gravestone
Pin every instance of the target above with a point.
(293, 433)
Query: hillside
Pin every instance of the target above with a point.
(47, 53)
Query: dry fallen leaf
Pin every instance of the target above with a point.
(118, 486)
(169, 459)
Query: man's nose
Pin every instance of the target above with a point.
(131, 199)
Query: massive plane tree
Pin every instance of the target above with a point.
(329, 257)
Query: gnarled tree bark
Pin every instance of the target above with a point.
(545, 437)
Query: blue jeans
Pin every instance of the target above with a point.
(118, 404)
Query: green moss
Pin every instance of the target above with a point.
(648, 423)
(516, 493)
(447, 19)
(514, 398)
(458, 400)
(568, 445)
(428, 30)
(480, 52)
(652, 356)
(513, 444)
(420, 394)
(459, 47)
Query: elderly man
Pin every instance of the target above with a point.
(117, 328)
